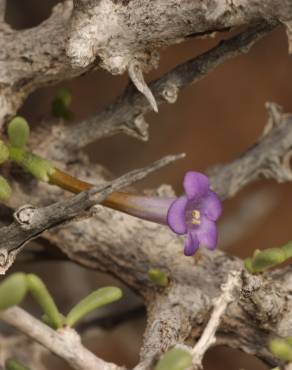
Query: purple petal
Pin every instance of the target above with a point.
(191, 244)
(211, 206)
(195, 184)
(176, 218)
(207, 233)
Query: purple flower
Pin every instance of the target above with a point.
(195, 213)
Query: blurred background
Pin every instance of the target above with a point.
(213, 122)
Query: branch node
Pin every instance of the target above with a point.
(24, 216)
(170, 93)
(275, 113)
(137, 128)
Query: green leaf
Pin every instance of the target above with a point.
(14, 365)
(268, 258)
(265, 259)
(175, 359)
(287, 248)
(158, 277)
(41, 294)
(248, 264)
(32, 163)
(61, 104)
(5, 189)
(289, 341)
(12, 290)
(38, 167)
(4, 152)
(281, 349)
(99, 298)
(18, 132)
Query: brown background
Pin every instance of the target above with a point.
(213, 121)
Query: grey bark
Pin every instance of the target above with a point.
(131, 30)
(127, 248)
(65, 342)
(112, 35)
(116, 35)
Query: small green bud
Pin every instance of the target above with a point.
(4, 152)
(14, 365)
(12, 290)
(175, 359)
(41, 294)
(158, 277)
(99, 298)
(287, 248)
(281, 349)
(5, 189)
(18, 132)
(65, 95)
(61, 104)
(267, 258)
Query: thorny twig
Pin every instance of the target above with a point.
(220, 305)
(125, 114)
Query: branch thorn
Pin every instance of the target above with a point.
(136, 75)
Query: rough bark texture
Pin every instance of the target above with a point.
(132, 29)
(112, 34)
(32, 58)
(115, 34)
(126, 113)
(64, 343)
(127, 248)
(31, 221)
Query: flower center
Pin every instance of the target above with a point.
(196, 217)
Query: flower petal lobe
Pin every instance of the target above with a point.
(195, 184)
(176, 218)
(211, 206)
(207, 233)
(191, 245)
